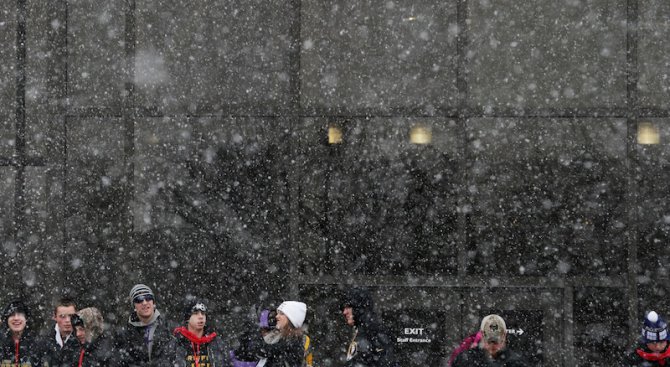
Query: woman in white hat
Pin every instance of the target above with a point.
(280, 346)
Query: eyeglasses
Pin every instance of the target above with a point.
(65, 315)
(142, 298)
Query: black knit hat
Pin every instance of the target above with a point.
(76, 320)
(16, 306)
(193, 307)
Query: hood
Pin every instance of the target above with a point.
(360, 301)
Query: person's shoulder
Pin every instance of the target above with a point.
(513, 359)
(468, 358)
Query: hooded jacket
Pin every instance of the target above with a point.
(206, 351)
(371, 344)
(94, 354)
(478, 357)
(138, 344)
(28, 352)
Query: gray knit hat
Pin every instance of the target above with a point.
(140, 290)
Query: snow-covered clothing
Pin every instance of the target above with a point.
(28, 352)
(478, 357)
(308, 360)
(60, 350)
(641, 356)
(371, 344)
(277, 351)
(470, 342)
(97, 353)
(206, 351)
(138, 344)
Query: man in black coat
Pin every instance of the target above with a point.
(145, 341)
(18, 346)
(492, 350)
(371, 344)
(62, 343)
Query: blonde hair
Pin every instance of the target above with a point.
(93, 322)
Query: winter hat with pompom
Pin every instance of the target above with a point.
(655, 329)
(295, 311)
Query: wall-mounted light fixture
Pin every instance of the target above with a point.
(647, 134)
(420, 134)
(334, 134)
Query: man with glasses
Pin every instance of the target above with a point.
(145, 340)
(62, 340)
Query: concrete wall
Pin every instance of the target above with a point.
(184, 144)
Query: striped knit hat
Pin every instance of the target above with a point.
(654, 329)
(140, 290)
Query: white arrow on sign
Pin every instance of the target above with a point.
(518, 331)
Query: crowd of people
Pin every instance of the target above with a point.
(79, 339)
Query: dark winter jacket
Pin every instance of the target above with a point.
(478, 357)
(278, 351)
(58, 356)
(641, 356)
(371, 344)
(132, 343)
(470, 342)
(94, 354)
(29, 352)
(206, 351)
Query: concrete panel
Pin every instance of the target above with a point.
(41, 272)
(546, 54)
(548, 197)
(653, 51)
(210, 195)
(95, 208)
(7, 77)
(382, 205)
(96, 57)
(653, 210)
(9, 256)
(216, 56)
(380, 55)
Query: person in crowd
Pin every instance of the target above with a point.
(279, 346)
(62, 340)
(371, 344)
(195, 344)
(19, 347)
(94, 346)
(145, 340)
(470, 342)
(492, 350)
(652, 347)
(267, 322)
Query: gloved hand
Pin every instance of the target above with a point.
(267, 319)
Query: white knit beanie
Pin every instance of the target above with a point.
(295, 311)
